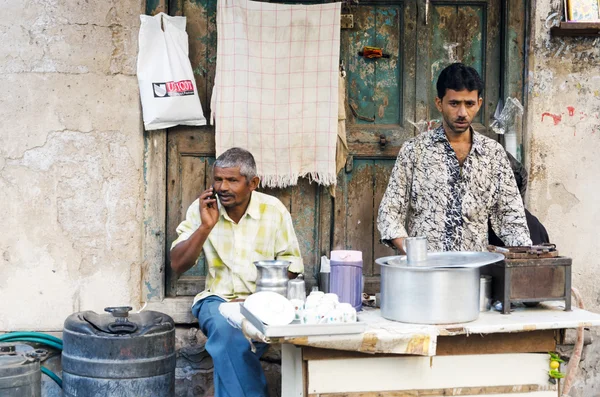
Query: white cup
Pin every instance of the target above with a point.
(310, 316)
(335, 316)
(298, 307)
(312, 302)
(323, 309)
(333, 298)
(317, 293)
(348, 312)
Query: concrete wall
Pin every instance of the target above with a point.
(71, 152)
(563, 153)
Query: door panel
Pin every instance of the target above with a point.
(190, 155)
(458, 36)
(358, 195)
(459, 31)
(380, 91)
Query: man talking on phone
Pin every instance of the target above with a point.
(234, 226)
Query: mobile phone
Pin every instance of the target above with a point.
(213, 196)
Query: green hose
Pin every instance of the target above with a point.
(52, 376)
(35, 340)
(12, 335)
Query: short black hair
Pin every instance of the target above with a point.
(458, 77)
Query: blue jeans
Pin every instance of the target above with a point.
(237, 371)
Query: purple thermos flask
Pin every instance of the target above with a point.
(346, 277)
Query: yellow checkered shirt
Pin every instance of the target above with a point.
(264, 232)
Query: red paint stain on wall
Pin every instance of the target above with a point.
(556, 118)
(571, 110)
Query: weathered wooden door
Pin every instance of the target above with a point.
(383, 95)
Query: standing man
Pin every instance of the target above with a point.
(234, 230)
(446, 183)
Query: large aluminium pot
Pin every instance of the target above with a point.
(445, 290)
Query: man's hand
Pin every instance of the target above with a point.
(398, 244)
(209, 212)
(186, 253)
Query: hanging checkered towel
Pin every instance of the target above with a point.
(276, 87)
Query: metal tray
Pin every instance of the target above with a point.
(278, 331)
(450, 259)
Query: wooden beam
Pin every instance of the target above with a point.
(576, 29)
(153, 243)
(518, 342)
(154, 212)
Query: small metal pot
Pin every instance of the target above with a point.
(272, 276)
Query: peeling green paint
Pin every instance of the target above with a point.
(374, 85)
(152, 292)
(153, 7)
(457, 33)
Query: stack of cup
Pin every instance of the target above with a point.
(321, 308)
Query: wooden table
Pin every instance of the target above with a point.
(497, 355)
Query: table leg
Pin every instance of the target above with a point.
(291, 371)
(567, 288)
(506, 297)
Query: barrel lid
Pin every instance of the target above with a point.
(15, 354)
(119, 322)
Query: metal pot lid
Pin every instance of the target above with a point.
(298, 280)
(273, 263)
(15, 354)
(119, 322)
(444, 260)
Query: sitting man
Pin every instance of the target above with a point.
(233, 231)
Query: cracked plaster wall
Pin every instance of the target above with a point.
(563, 153)
(71, 150)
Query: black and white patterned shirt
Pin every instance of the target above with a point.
(450, 204)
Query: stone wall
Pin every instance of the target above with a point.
(563, 155)
(71, 152)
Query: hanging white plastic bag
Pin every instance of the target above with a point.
(167, 86)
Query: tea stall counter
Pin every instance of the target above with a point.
(496, 355)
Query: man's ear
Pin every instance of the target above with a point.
(438, 103)
(480, 101)
(253, 184)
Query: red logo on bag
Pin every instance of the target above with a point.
(173, 88)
